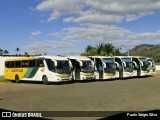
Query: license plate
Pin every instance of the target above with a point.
(110, 74)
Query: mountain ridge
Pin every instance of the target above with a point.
(147, 50)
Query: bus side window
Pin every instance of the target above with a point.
(25, 63)
(11, 64)
(7, 64)
(18, 64)
(39, 63)
(32, 63)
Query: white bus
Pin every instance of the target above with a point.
(127, 67)
(143, 65)
(43, 68)
(105, 67)
(83, 68)
(152, 66)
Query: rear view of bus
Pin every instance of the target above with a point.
(83, 68)
(105, 67)
(44, 68)
(143, 65)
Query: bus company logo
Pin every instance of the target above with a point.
(17, 70)
(6, 114)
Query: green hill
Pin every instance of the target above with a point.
(147, 50)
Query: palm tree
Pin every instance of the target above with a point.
(17, 50)
(109, 49)
(89, 51)
(101, 49)
(5, 52)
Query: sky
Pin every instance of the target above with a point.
(67, 27)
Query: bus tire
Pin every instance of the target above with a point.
(45, 80)
(17, 79)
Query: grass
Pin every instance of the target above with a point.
(158, 72)
(2, 79)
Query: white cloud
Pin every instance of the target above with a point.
(100, 33)
(47, 46)
(99, 11)
(145, 36)
(54, 16)
(105, 34)
(36, 33)
(60, 7)
(97, 19)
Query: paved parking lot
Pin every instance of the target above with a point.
(136, 94)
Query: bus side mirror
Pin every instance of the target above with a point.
(124, 64)
(104, 64)
(92, 63)
(135, 64)
(141, 63)
(80, 63)
(55, 62)
(117, 65)
(70, 64)
(150, 63)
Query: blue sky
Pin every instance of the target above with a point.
(66, 27)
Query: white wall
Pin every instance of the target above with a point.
(157, 67)
(2, 61)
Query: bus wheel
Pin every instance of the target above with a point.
(45, 80)
(17, 79)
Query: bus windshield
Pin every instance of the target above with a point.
(110, 67)
(87, 66)
(129, 65)
(62, 66)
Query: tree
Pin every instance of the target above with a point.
(17, 50)
(5, 52)
(101, 50)
(89, 51)
(1, 51)
(109, 49)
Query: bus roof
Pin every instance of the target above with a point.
(122, 56)
(56, 57)
(38, 57)
(100, 56)
(138, 56)
(79, 57)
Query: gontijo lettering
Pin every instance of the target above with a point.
(17, 70)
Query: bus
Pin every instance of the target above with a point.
(143, 65)
(127, 67)
(104, 67)
(83, 68)
(152, 66)
(40, 68)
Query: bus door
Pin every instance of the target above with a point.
(99, 66)
(76, 69)
(120, 67)
(137, 66)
